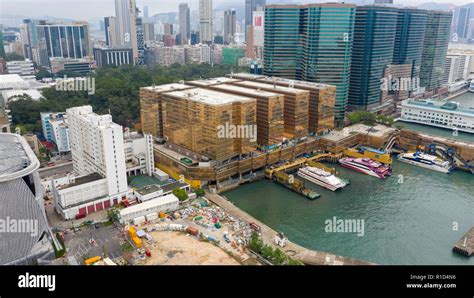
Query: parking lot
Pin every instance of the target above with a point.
(107, 239)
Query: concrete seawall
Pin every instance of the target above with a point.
(307, 256)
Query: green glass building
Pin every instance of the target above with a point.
(372, 51)
(411, 26)
(311, 43)
(435, 48)
(2, 49)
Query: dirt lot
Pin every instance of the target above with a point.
(174, 248)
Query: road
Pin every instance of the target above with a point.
(307, 256)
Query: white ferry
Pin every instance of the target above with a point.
(321, 178)
(426, 161)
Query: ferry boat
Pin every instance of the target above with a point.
(425, 161)
(471, 86)
(322, 178)
(366, 166)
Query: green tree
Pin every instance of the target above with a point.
(43, 73)
(199, 192)
(117, 90)
(180, 193)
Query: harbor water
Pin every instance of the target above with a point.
(413, 217)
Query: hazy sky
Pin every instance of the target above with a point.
(91, 9)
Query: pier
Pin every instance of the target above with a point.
(465, 245)
(307, 256)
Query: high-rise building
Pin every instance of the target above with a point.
(168, 29)
(319, 54)
(125, 20)
(2, 49)
(258, 25)
(372, 51)
(435, 47)
(97, 147)
(63, 41)
(148, 31)
(295, 107)
(109, 27)
(213, 114)
(250, 7)
(205, 21)
(383, 1)
(250, 44)
(411, 27)
(140, 60)
(113, 56)
(145, 13)
(184, 22)
(29, 37)
(55, 130)
(230, 26)
(151, 114)
(463, 18)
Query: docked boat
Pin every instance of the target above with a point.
(322, 178)
(425, 161)
(366, 166)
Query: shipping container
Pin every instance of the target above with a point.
(139, 220)
(137, 241)
(92, 260)
(132, 232)
(192, 230)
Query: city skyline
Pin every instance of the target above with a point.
(103, 8)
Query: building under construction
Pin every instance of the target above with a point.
(209, 122)
(151, 109)
(295, 111)
(269, 112)
(322, 99)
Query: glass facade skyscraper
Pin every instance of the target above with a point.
(435, 48)
(312, 43)
(372, 51)
(64, 41)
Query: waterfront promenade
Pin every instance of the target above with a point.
(307, 256)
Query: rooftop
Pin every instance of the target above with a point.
(12, 81)
(213, 81)
(84, 179)
(167, 87)
(439, 105)
(209, 97)
(267, 87)
(296, 83)
(376, 131)
(146, 190)
(247, 91)
(245, 75)
(171, 198)
(16, 157)
(33, 93)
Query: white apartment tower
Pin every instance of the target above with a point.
(97, 146)
(205, 20)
